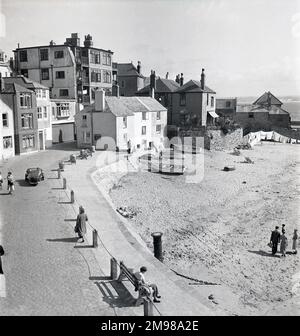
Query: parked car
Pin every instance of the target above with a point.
(34, 175)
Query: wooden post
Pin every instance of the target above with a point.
(72, 196)
(64, 183)
(113, 269)
(95, 239)
(148, 307)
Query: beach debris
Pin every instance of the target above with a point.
(244, 146)
(244, 182)
(247, 160)
(236, 152)
(211, 297)
(229, 168)
(126, 212)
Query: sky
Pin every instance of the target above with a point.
(246, 47)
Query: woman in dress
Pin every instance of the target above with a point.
(295, 239)
(80, 227)
(283, 244)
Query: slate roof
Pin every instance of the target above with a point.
(127, 69)
(193, 86)
(246, 108)
(127, 106)
(263, 99)
(162, 86)
(14, 87)
(23, 81)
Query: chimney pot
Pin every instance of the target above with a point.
(202, 79)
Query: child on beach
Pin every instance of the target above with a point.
(295, 239)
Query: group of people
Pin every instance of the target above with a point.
(280, 238)
(10, 182)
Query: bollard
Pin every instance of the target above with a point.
(72, 196)
(113, 269)
(157, 245)
(95, 239)
(148, 307)
(64, 183)
(58, 173)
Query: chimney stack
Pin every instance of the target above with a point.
(99, 100)
(152, 84)
(181, 79)
(202, 79)
(167, 75)
(139, 67)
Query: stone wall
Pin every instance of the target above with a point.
(215, 139)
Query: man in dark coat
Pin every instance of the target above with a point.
(275, 239)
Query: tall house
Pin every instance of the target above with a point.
(5, 68)
(129, 78)
(93, 68)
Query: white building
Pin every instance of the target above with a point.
(119, 122)
(7, 146)
(5, 69)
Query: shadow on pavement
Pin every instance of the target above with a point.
(123, 297)
(83, 246)
(23, 183)
(99, 278)
(70, 220)
(64, 240)
(264, 254)
(64, 202)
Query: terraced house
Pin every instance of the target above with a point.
(71, 72)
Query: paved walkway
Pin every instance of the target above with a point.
(122, 243)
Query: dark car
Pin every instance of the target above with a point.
(34, 175)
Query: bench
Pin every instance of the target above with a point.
(84, 153)
(144, 291)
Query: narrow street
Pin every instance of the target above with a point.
(45, 273)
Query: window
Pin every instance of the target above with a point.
(122, 84)
(44, 55)
(60, 74)
(62, 110)
(1, 57)
(38, 93)
(95, 57)
(39, 113)
(27, 120)
(182, 99)
(23, 56)
(228, 104)
(53, 112)
(250, 115)
(63, 92)
(144, 116)
(25, 100)
(106, 59)
(44, 93)
(106, 76)
(144, 130)
(59, 54)
(28, 141)
(86, 137)
(212, 100)
(4, 119)
(124, 122)
(7, 142)
(24, 72)
(125, 137)
(158, 115)
(158, 129)
(84, 117)
(45, 73)
(96, 76)
(45, 112)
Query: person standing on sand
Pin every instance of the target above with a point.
(283, 244)
(275, 240)
(80, 227)
(295, 238)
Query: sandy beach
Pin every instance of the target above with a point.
(217, 230)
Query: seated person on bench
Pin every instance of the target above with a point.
(141, 277)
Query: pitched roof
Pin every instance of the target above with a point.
(26, 82)
(194, 86)
(162, 86)
(246, 108)
(277, 110)
(127, 106)
(127, 69)
(14, 87)
(264, 99)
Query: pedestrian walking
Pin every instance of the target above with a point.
(275, 240)
(80, 227)
(283, 228)
(10, 183)
(283, 244)
(295, 240)
(151, 288)
(1, 181)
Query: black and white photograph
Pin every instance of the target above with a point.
(149, 160)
